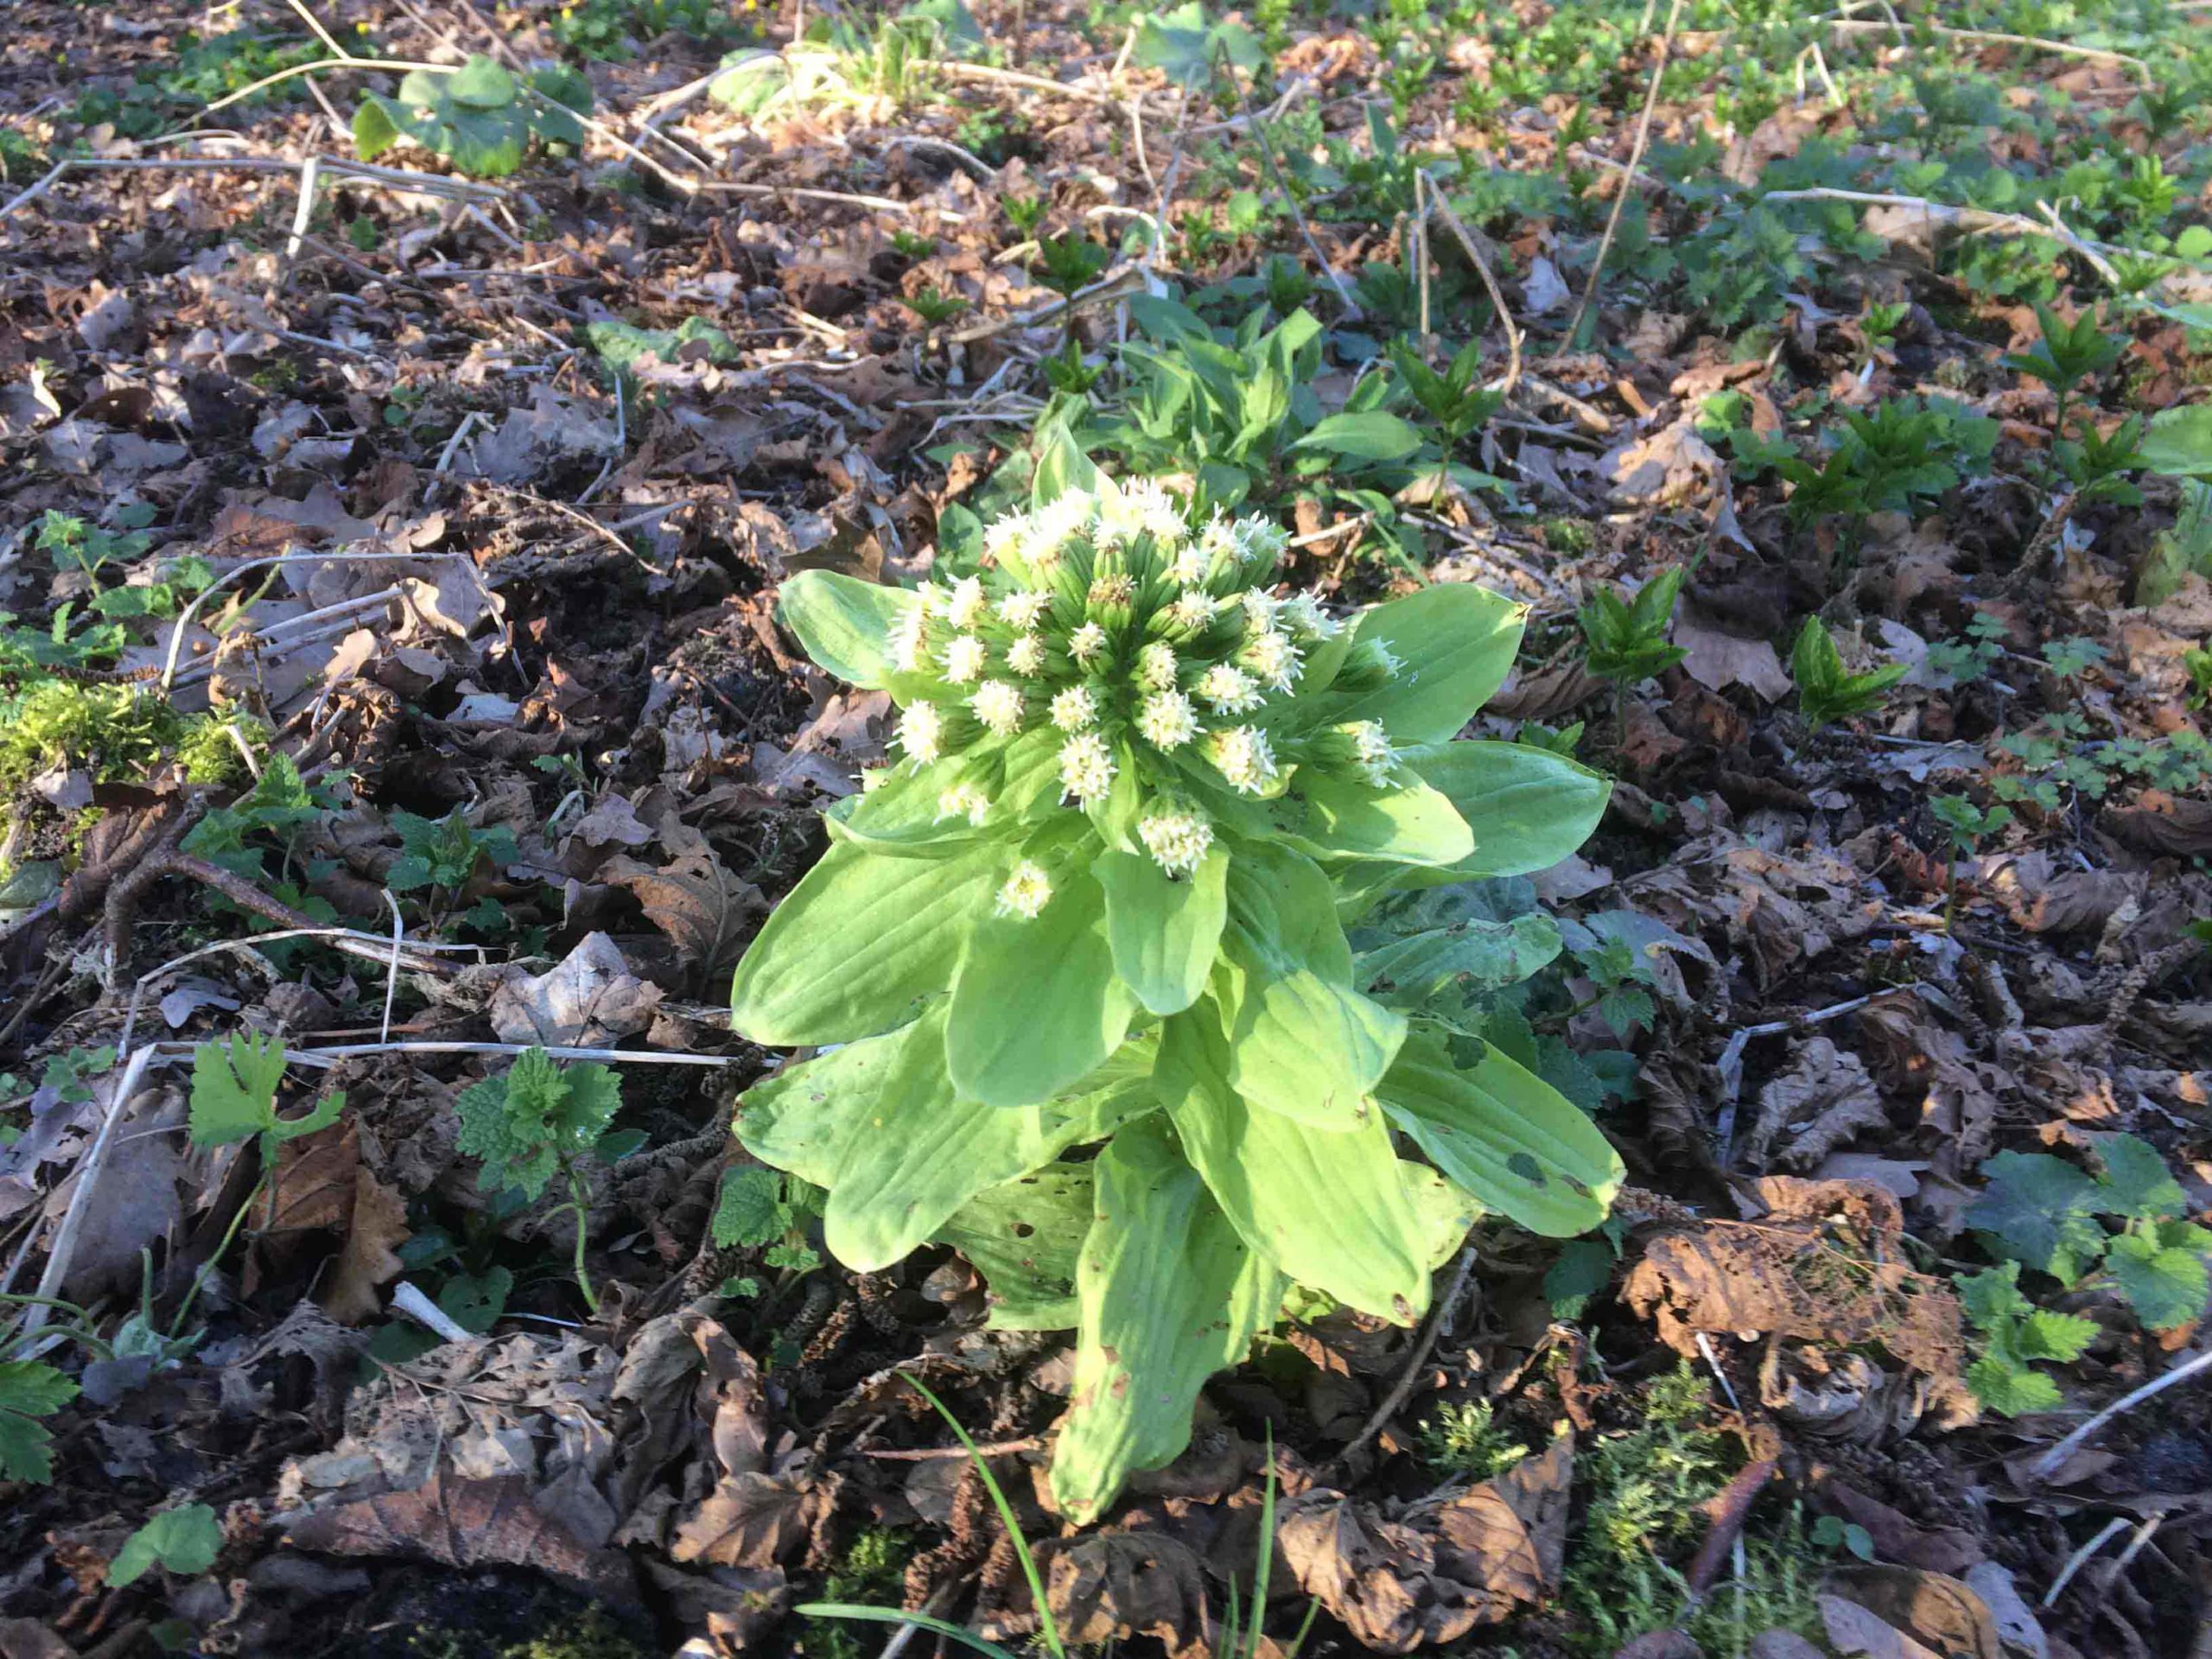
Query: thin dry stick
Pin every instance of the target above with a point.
(1989, 37)
(331, 1056)
(1635, 160)
(1973, 220)
(64, 1247)
(1402, 1390)
(1282, 187)
(2051, 1460)
(1439, 203)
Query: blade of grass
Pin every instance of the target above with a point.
(1048, 1628)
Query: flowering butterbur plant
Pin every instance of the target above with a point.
(1099, 897)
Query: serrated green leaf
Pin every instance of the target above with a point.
(2039, 1209)
(29, 1390)
(2135, 1181)
(750, 1210)
(1169, 1294)
(185, 1541)
(234, 1088)
(2010, 1390)
(2166, 1286)
(2043, 1334)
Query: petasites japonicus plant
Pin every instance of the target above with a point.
(1098, 903)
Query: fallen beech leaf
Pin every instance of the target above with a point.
(1719, 660)
(1110, 1586)
(588, 1001)
(1399, 1584)
(376, 1228)
(459, 1522)
(694, 900)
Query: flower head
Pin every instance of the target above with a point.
(1074, 709)
(1025, 656)
(1177, 839)
(1156, 667)
(997, 703)
(1260, 542)
(1087, 644)
(1086, 768)
(1303, 615)
(921, 733)
(1229, 690)
(909, 640)
(964, 659)
(1194, 608)
(1026, 891)
(1025, 607)
(1377, 756)
(1167, 721)
(1272, 658)
(965, 605)
(1242, 755)
(964, 801)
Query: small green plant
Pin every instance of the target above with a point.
(764, 1209)
(480, 117)
(30, 1391)
(1137, 794)
(184, 1540)
(2013, 1334)
(2196, 663)
(2097, 465)
(442, 853)
(2072, 657)
(1826, 690)
(1626, 640)
(1027, 214)
(2050, 1216)
(1965, 826)
(610, 30)
(1456, 400)
(539, 1120)
(1965, 661)
(1902, 453)
(1879, 324)
(234, 1095)
(1461, 1440)
(1068, 263)
(935, 309)
(2066, 356)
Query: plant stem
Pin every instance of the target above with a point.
(208, 1268)
(579, 1207)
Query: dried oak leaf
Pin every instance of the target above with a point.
(1398, 1585)
(766, 1503)
(702, 908)
(461, 1522)
(1115, 1584)
(1822, 1100)
(1824, 1267)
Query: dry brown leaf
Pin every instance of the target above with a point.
(1719, 660)
(1398, 1585)
(766, 1503)
(1938, 1613)
(590, 1000)
(1110, 1586)
(459, 1522)
(375, 1230)
(1822, 1101)
(694, 900)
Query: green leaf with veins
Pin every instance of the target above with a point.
(29, 1390)
(524, 1122)
(185, 1541)
(2161, 1271)
(234, 1093)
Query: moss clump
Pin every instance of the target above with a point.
(1461, 1440)
(117, 733)
(871, 1571)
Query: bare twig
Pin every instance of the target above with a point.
(1635, 160)
(1400, 1391)
(2044, 1466)
(1991, 37)
(1439, 203)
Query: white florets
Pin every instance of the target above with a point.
(1139, 508)
(1192, 609)
(1377, 756)
(1024, 610)
(1167, 721)
(908, 640)
(1074, 709)
(1273, 658)
(997, 703)
(964, 801)
(1259, 608)
(1086, 768)
(1007, 535)
(1218, 540)
(1302, 614)
(1177, 841)
(1229, 690)
(1025, 656)
(1259, 542)
(1156, 667)
(1242, 757)
(1087, 643)
(965, 605)
(921, 734)
(1188, 566)
(1026, 891)
(964, 657)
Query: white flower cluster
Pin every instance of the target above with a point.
(1149, 648)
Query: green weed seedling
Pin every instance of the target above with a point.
(184, 1540)
(1027, 214)
(1965, 661)
(2096, 466)
(1067, 264)
(1826, 690)
(1461, 1440)
(29, 1392)
(1965, 826)
(935, 309)
(480, 118)
(1899, 454)
(234, 1095)
(2067, 356)
(763, 1209)
(442, 853)
(539, 1120)
(1626, 640)
(1136, 795)
(2046, 1214)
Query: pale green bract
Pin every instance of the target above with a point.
(1100, 897)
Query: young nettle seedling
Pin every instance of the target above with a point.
(1829, 692)
(2050, 1217)
(2066, 356)
(763, 1209)
(538, 1120)
(1627, 639)
(30, 1391)
(1100, 902)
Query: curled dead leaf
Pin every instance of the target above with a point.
(1110, 1586)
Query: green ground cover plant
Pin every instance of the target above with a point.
(1100, 902)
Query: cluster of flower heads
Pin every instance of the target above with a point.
(1144, 644)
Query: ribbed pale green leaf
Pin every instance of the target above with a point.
(857, 942)
(841, 621)
(1169, 1293)
(1329, 1208)
(1165, 933)
(1036, 1004)
(1454, 644)
(1508, 1137)
(1306, 1048)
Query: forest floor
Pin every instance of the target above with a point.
(388, 552)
